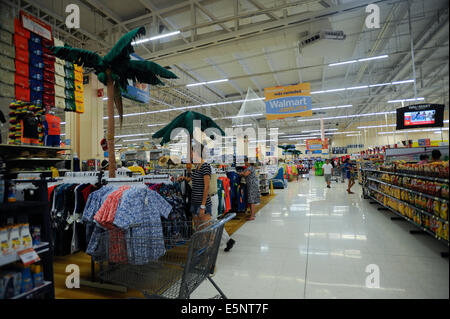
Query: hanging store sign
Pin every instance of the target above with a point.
(317, 144)
(139, 92)
(35, 25)
(288, 101)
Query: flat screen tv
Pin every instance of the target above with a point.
(420, 115)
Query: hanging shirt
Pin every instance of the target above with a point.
(52, 124)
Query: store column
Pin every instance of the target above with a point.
(86, 130)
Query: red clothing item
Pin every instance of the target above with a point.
(50, 190)
(87, 191)
(226, 187)
(54, 124)
(107, 212)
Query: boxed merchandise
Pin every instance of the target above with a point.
(49, 77)
(58, 43)
(5, 243)
(69, 73)
(36, 85)
(21, 81)
(7, 50)
(49, 88)
(11, 284)
(6, 37)
(60, 102)
(69, 84)
(79, 97)
(70, 105)
(49, 65)
(22, 94)
(7, 77)
(69, 65)
(7, 24)
(22, 56)
(38, 276)
(35, 38)
(25, 236)
(35, 48)
(7, 90)
(48, 56)
(59, 70)
(78, 68)
(36, 97)
(79, 86)
(14, 235)
(20, 42)
(36, 235)
(70, 94)
(22, 69)
(79, 107)
(7, 63)
(59, 80)
(46, 42)
(60, 91)
(78, 76)
(59, 61)
(36, 61)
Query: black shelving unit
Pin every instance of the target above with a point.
(34, 211)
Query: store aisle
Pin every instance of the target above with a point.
(315, 242)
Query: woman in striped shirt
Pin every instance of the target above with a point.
(200, 177)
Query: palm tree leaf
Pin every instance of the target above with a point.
(155, 68)
(78, 56)
(142, 72)
(120, 53)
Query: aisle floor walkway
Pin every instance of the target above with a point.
(315, 242)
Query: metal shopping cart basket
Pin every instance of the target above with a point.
(304, 172)
(163, 260)
(336, 174)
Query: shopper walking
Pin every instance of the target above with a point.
(350, 176)
(252, 182)
(327, 171)
(423, 159)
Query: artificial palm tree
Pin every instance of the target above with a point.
(114, 70)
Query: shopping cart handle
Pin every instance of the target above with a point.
(228, 217)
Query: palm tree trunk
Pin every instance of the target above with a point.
(111, 131)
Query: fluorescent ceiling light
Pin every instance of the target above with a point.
(353, 135)
(242, 125)
(332, 107)
(342, 63)
(327, 129)
(137, 139)
(362, 87)
(187, 107)
(406, 100)
(64, 134)
(346, 116)
(209, 82)
(130, 135)
(105, 98)
(376, 126)
(239, 116)
(156, 37)
(150, 125)
(62, 123)
(360, 60)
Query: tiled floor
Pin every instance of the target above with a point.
(314, 242)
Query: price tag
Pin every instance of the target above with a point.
(28, 256)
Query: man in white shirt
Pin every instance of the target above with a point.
(327, 170)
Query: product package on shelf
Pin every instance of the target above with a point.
(25, 124)
(7, 50)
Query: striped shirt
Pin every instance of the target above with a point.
(198, 184)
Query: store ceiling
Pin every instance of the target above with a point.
(255, 44)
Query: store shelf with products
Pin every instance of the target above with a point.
(47, 286)
(41, 248)
(419, 226)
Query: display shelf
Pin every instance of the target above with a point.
(432, 179)
(47, 285)
(31, 147)
(22, 207)
(408, 190)
(5, 260)
(412, 222)
(410, 205)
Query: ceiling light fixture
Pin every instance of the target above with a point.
(376, 126)
(137, 139)
(332, 107)
(238, 116)
(130, 135)
(242, 125)
(346, 116)
(360, 60)
(156, 37)
(362, 87)
(417, 130)
(209, 82)
(406, 100)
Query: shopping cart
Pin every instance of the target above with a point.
(304, 172)
(336, 174)
(166, 260)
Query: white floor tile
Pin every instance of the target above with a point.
(314, 242)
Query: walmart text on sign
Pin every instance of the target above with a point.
(288, 101)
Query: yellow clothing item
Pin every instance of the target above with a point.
(137, 169)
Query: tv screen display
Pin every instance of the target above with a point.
(420, 115)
